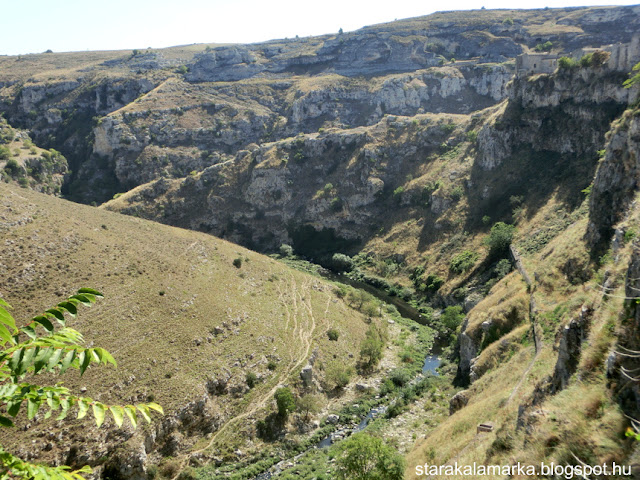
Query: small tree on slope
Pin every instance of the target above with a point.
(40, 347)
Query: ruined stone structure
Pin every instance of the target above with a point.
(531, 63)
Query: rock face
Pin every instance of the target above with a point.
(581, 96)
(569, 348)
(148, 120)
(615, 181)
(468, 352)
(306, 375)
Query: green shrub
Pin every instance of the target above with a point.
(284, 401)
(372, 347)
(335, 204)
(452, 317)
(502, 268)
(341, 262)
(463, 262)
(457, 193)
(308, 404)
(237, 262)
(5, 152)
(362, 457)
(433, 282)
(272, 365)
(252, 379)
(586, 60)
(398, 191)
(13, 168)
(400, 377)
(567, 63)
(333, 334)
(500, 238)
(337, 374)
(544, 47)
(286, 250)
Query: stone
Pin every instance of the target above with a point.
(333, 419)
(458, 401)
(306, 375)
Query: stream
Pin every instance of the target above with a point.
(431, 363)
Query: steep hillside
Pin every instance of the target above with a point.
(186, 315)
(488, 195)
(550, 355)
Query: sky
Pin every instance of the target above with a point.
(33, 26)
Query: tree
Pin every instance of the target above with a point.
(371, 348)
(363, 457)
(500, 238)
(337, 374)
(285, 401)
(41, 347)
(308, 404)
(452, 317)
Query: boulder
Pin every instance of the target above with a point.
(458, 401)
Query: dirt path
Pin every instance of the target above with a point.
(299, 311)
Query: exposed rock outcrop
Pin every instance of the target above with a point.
(458, 401)
(616, 180)
(569, 348)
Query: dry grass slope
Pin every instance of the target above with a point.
(166, 290)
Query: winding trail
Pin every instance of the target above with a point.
(299, 313)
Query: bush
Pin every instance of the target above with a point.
(400, 377)
(252, 379)
(237, 262)
(452, 317)
(500, 238)
(13, 168)
(362, 457)
(335, 204)
(272, 365)
(463, 261)
(433, 282)
(333, 334)
(286, 250)
(372, 347)
(544, 47)
(341, 262)
(5, 153)
(502, 268)
(567, 63)
(457, 193)
(600, 57)
(337, 374)
(586, 60)
(284, 401)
